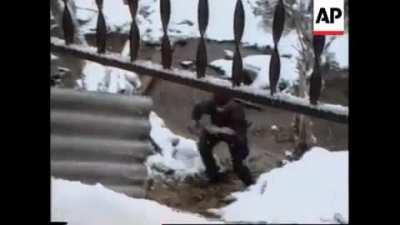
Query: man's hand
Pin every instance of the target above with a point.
(194, 127)
(212, 129)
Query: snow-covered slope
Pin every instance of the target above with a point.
(311, 190)
(81, 204)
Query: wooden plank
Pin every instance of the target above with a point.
(282, 101)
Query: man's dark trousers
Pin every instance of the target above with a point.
(238, 149)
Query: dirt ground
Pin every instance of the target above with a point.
(174, 102)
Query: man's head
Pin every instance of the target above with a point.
(221, 99)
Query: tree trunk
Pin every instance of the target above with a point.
(304, 138)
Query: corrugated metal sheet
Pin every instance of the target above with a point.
(100, 138)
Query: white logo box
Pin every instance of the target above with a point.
(328, 17)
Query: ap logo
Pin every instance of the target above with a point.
(328, 17)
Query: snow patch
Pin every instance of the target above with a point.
(186, 63)
(82, 204)
(53, 57)
(116, 13)
(97, 77)
(274, 128)
(179, 157)
(183, 22)
(260, 64)
(311, 190)
(228, 54)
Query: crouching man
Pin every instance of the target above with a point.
(228, 125)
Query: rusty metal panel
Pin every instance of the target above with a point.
(100, 138)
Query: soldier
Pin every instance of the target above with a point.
(230, 126)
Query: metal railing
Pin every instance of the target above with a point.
(200, 80)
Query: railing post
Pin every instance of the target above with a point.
(326, 112)
(166, 50)
(277, 29)
(315, 79)
(101, 29)
(201, 56)
(134, 34)
(238, 28)
(68, 25)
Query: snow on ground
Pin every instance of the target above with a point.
(53, 57)
(260, 64)
(340, 49)
(179, 157)
(311, 190)
(97, 77)
(82, 204)
(86, 10)
(116, 14)
(183, 23)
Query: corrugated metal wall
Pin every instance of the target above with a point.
(99, 137)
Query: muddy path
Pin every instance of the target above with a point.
(196, 197)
